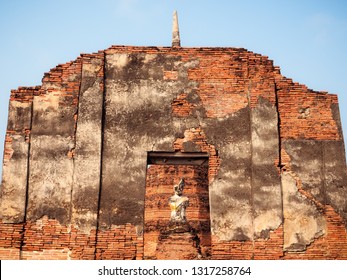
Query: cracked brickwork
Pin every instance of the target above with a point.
(77, 183)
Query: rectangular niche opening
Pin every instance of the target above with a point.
(164, 170)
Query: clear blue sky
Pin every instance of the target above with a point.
(307, 39)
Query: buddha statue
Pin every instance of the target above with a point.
(178, 204)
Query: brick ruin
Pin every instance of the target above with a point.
(91, 157)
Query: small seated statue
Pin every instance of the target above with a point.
(178, 204)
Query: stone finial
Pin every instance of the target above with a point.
(176, 42)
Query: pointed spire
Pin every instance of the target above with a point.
(176, 42)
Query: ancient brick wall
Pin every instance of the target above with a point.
(77, 183)
(47, 239)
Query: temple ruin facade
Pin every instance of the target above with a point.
(93, 154)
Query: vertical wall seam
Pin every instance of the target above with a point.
(73, 158)
(323, 174)
(324, 193)
(27, 181)
(280, 164)
(252, 168)
(103, 122)
(74, 146)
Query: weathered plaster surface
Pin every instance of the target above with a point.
(87, 154)
(50, 177)
(230, 192)
(306, 160)
(137, 120)
(335, 177)
(13, 192)
(303, 222)
(51, 167)
(14, 187)
(266, 187)
(320, 165)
